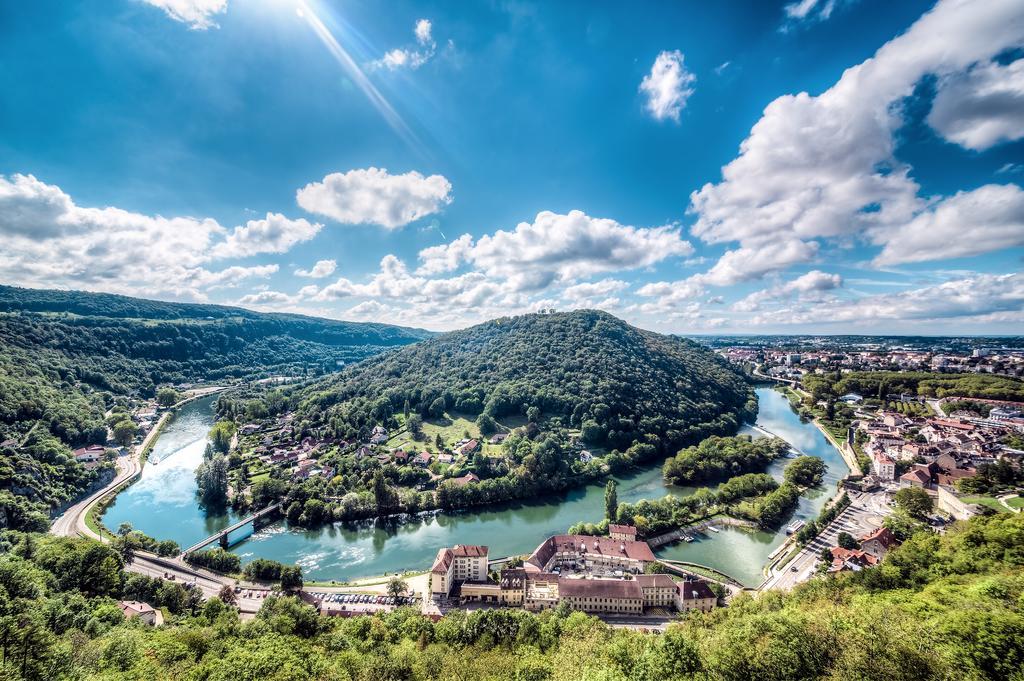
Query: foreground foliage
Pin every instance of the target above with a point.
(938, 608)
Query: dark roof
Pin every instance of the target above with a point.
(599, 588)
(443, 561)
(695, 589)
(622, 529)
(513, 578)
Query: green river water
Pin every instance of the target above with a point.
(162, 503)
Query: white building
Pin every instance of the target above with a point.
(456, 565)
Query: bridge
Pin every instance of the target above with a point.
(765, 431)
(222, 536)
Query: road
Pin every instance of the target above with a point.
(72, 523)
(863, 515)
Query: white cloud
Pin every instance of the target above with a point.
(49, 241)
(273, 234)
(411, 57)
(982, 107)
(322, 268)
(807, 12)
(746, 263)
(559, 248)
(807, 287)
(267, 298)
(998, 297)
(423, 32)
(374, 196)
(198, 14)
(667, 86)
(823, 166)
(589, 292)
(986, 219)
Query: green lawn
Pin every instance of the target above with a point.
(991, 502)
(1016, 502)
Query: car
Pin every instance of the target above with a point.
(793, 569)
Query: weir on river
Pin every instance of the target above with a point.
(163, 504)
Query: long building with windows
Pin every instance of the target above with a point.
(585, 552)
(457, 565)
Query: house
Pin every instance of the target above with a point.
(695, 594)
(622, 532)
(400, 456)
(249, 429)
(469, 447)
(879, 542)
(917, 476)
(445, 458)
(465, 479)
(456, 565)
(90, 454)
(378, 436)
(422, 459)
(144, 611)
(883, 467)
(586, 456)
(363, 452)
(498, 438)
(850, 559)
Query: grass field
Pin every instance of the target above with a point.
(452, 428)
(1016, 502)
(990, 502)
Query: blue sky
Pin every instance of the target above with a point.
(822, 166)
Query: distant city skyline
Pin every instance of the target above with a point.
(806, 167)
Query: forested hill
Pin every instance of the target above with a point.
(65, 356)
(587, 369)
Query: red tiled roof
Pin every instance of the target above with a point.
(604, 546)
(883, 536)
(918, 475)
(622, 529)
(655, 581)
(443, 561)
(469, 551)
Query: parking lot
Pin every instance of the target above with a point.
(359, 603)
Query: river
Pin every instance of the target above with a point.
(163, 505)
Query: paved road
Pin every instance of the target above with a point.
(862, 516)
(71, 523)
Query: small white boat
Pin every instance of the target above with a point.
(687, 538)
(713, 528)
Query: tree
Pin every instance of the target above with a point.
(221, 435)
(212, 480)
(291, 577)
(914, 500)
(806, 471)
(415, 425)
(486, 424)
(227, 595)
(846, 541)
(437, 408)
(611, 500)
(439, 442)
(167, 397)
(124, 432)
(124, 529)
(397, 587)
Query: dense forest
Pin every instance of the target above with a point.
(67, 357)
(878, 384)
(939, 607)
(718, 458)
(586, 370)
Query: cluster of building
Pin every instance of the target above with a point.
(280, 446)
(935, 453)
(783, 363)
(603, 575)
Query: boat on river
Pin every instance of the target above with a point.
(794, 526)
(713, 528)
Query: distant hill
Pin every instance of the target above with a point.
(65, 356)
(591, 370)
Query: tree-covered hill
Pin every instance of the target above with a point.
(589, 370)
(66, 356)
(939, 607)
